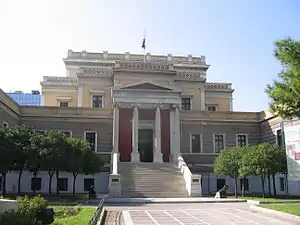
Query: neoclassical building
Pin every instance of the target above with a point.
(146, 109)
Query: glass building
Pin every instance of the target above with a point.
(26, 99)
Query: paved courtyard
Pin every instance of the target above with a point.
(195, 214)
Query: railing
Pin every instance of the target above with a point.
(185, 171)
(98, 215)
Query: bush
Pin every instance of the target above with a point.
(29, 207)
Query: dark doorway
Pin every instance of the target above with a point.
(146, 145)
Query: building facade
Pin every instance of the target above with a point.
(146, 108)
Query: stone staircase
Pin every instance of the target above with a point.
(149, 180)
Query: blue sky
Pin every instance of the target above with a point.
(236, 36)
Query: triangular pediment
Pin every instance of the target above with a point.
(145, 86)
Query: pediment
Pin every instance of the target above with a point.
(145, 86)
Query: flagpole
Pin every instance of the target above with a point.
(145, 45)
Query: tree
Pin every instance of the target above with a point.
(34, 156)
(6, 157)
(19, 139)
(54, 156)
(285, 92)
(76, 149)
(228, 164)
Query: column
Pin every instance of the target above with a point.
(202, 99)
(79, 96)
(135, 156)
(176, 131)
(157, 153)
(172, 155)
(116, 129)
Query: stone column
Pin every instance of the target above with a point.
(135, 156)
(202, 100)
(172, 155)
(176, 137)
(79, 96)
(157, 153)
(116, 129)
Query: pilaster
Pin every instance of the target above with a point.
(79, 96)
(202, 99)
(231, 104)
(116, 129)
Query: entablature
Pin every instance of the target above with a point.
(68, 112)
(219, 87)
(219, 116)
(59, 81)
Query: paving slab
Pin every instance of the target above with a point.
(195, 214)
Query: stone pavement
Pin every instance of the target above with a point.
(194, 214)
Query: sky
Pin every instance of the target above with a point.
(236, 36)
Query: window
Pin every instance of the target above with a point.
(64, 104)
(0, 182)
(220, 183)
(195, 143)
(186, 104)
(36, 184)
(67, 133)
(219, 142)
(62, 184)
(244, 182)
(279, 138)
(88, 182)
(5, 124)
(91, 138)
(282, 184)
(97, 101)
(241, 140)
(211, 108)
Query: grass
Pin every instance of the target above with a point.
(73, 215)
(268, 198)
(54, 199)
(287, 208)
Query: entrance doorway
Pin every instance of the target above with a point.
(146, 145)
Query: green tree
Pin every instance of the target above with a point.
(56, 144)
(34, 155)
(76, 149)
(20, 139)
(285, 91)
(6, 157)
(228, 164)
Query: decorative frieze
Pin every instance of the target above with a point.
(48, 80)
(196, 76)
(142, 66)
(217, 86)
(92, 71)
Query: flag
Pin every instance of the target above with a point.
(144, 43)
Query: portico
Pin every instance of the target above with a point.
(149, 110)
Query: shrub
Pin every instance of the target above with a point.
(28, 208)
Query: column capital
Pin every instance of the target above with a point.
(158, 105)
(176, 106)
(115, 105)
(135, 105)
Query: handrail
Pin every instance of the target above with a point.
(114, 163)
(186, 172)
(98, 215)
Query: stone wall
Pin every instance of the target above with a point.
(9, 111)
